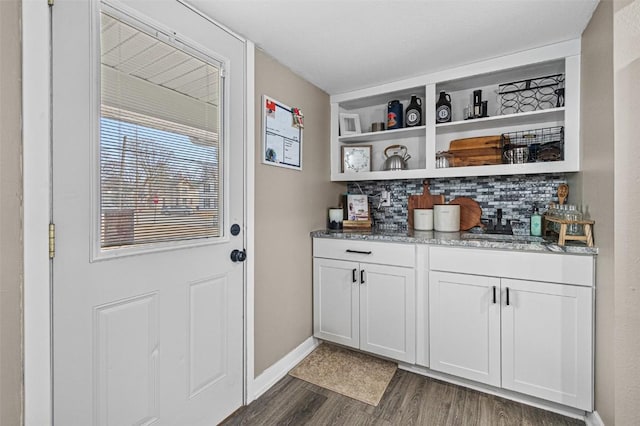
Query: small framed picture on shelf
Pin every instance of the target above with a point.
(356, 158)
(349, 124)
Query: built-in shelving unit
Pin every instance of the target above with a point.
(424, 142)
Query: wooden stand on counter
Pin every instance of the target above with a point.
(587, 225)
(356, 225)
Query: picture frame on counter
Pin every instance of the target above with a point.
(357, 214)
(349, 124)
(357, 207)
(356, 158)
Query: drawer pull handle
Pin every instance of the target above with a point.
(507, 296)
(494, 294)
(358, 251)
(362, 276)
(353, 275)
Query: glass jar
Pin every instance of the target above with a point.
(574, 215)
(556, 213)
(562, 215)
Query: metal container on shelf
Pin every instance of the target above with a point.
(536, 145)
(396, 157)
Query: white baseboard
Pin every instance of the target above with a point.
(593, 419)
(277, 371)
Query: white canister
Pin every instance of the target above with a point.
(335, 218)
(423, 219)
(446, 217)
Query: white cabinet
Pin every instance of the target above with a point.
(546, 341)
(517, 333)
(425, 141)
(465, 326)
(336, 301)
(387, 311)
(370, 306)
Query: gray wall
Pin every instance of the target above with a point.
(11, 390)
(289, 205)
(627, 211)
(595, 183)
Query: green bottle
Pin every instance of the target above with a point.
(536, 223)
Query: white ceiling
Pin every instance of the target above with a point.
(343, 45)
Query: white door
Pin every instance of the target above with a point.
(335, 301)
(547, 342)
(388, 311)
(464, 320)
(147, 304)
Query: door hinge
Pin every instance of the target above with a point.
(52, 240)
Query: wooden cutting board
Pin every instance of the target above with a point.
(470, 212)
(424, 201)
(475, 143)
(488, 159)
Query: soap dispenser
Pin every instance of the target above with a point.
(536, 223)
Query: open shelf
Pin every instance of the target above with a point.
(504, 169)
(387, 135)
(381, 175)
(530, 117)
(498, 169)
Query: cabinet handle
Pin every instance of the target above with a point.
(358, 251)
(353, 275)
(507, 296)
(362, 276)
(494, 294)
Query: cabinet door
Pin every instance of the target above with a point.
(388, 311)
(464, 325)
(335, 301)
(547, 341)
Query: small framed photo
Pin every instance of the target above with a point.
(356, 158)
(357, 207)
(349, 124)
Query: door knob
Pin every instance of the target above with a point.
(239, 256)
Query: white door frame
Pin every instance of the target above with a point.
(38, 407)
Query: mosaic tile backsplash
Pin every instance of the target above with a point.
(515, 195)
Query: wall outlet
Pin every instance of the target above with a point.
(385, 199)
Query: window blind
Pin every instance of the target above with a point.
(160, 176)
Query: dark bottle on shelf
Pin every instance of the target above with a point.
(413, 115)
(443, 108)
(477, 104)
(394, 115)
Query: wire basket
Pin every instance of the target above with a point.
(533, 146)
(531, 95)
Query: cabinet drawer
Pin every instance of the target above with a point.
(555, 268)
(366, 251)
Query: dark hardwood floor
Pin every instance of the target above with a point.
(410, 399)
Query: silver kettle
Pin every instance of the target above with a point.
(396, 157)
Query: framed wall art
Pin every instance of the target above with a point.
(356, 158)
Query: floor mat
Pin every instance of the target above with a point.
(353, 374)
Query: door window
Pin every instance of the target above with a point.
(160, 139)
